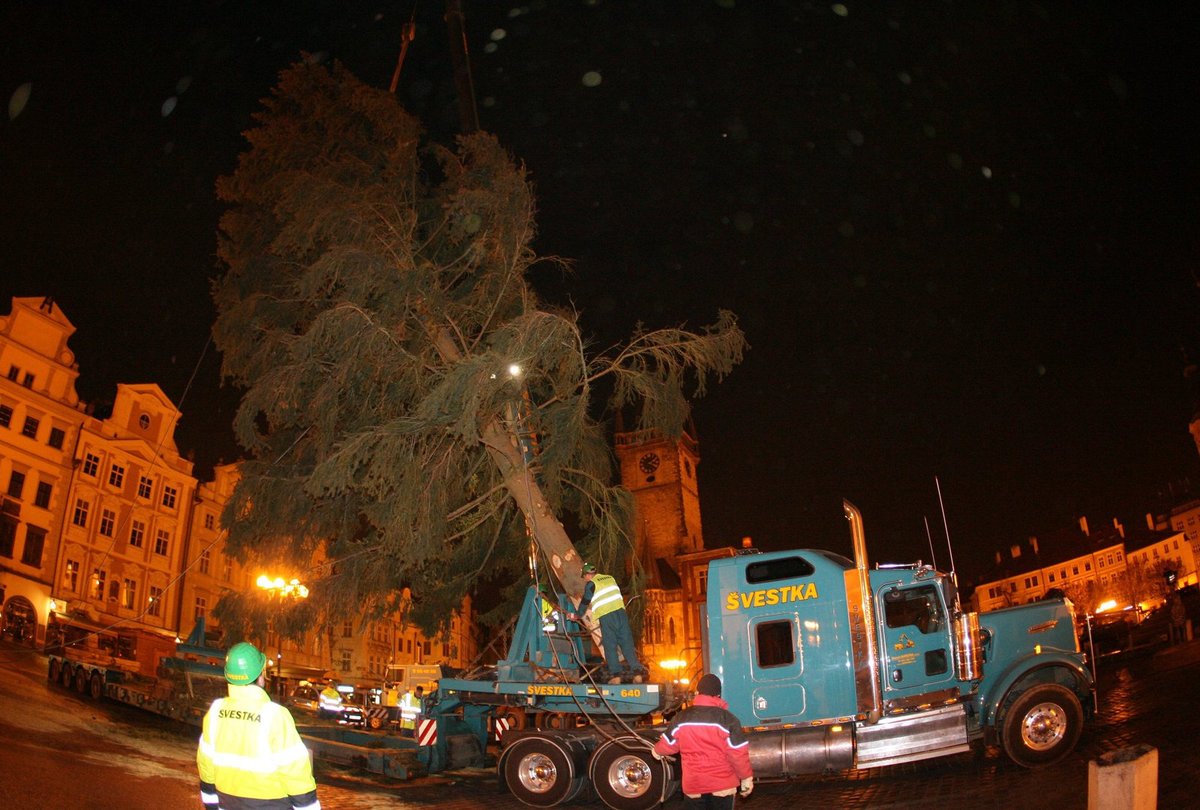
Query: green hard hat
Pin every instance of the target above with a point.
(244, 663)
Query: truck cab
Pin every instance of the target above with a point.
(837, 665)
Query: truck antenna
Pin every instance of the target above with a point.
(929, 536)
(946, 527)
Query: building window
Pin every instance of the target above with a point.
(130, 594)
(42, 497)
(162, 541)
(31, 427)
(16, 484)
(205, 558)
(143, 421)
(208, 521)
(1177, 545)
(13, 372)
(201, 608)
(1101, 562)
(1051, 576)
(35, 542)
(28, 381)
(57, 437)
(226, 568)
(154, 607)
(8, 535)
(108, 522)
(98, 577)
(116, 475)
(137, 533)
(144, 488)
(1074, 570)
(347, 629)
(79, 518)
(345, 661)
(91, 464)
(71, 576)
(1087, 566)
(169, 496)
(5, 416)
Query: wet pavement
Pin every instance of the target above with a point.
(55, 745)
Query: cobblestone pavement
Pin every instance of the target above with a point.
(1151, 700)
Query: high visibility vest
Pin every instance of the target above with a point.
(607, 598)
(410, 707)
(330, 699)
(249, 748)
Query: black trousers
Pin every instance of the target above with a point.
(707, 801)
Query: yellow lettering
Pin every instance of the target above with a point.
(770, 596)
(631, 693)
(543, 689)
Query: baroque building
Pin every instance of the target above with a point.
(105, 528)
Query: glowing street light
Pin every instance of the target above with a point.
(281, 587)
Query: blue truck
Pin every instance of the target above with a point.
(830, 665)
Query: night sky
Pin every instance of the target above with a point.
(960, 237)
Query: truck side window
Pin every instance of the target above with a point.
(774, 644)
(772, 570)
(915, 607)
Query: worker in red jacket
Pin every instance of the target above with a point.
(714, 750)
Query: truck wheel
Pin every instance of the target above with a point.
(81, 680)
(375, 722)
(96, 686)
(1042, 726)
(67, 674)
(55, 671)
(626, 776)
(539, 772)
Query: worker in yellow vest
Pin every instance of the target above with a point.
(410, 710)
(250, 754)
(602, 594)
(329, 702)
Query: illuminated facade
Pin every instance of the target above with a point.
(668, 539)
(102, 522)
(40, 421)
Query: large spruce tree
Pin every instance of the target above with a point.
(413, 415)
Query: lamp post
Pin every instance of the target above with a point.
(280, 589)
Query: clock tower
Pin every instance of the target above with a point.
(660, 473)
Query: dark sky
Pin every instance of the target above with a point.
(961, 237)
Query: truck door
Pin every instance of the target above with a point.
(776, 667)
(916, 640)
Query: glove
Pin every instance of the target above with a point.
(746, 787)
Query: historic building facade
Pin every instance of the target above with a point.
(104, 525)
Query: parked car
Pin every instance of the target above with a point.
(352, 709)
(305, 699)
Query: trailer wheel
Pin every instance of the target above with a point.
(67, 675)
(626, 776)
(55, 671)
(81, 680)
(539, 772)
(1042, 725)
(96, 686)
(375, 722)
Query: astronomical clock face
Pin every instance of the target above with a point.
(649, 463)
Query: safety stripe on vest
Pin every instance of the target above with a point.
(607, 599)
(267, 763)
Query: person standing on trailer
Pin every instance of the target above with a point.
(602, 594)
(713, 749)
(250, 754)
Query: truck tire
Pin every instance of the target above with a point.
(626, 776)
(375, 722)
(55, 671)
(1042, 725)
(67, 675)
(96, 686)
(81, 680)
(539, 772)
